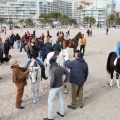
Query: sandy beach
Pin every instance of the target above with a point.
(100, 101)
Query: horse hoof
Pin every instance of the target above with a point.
(34, 101)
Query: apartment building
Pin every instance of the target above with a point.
(22, 9)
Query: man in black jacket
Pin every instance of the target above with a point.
(78, 75)
(56, 73)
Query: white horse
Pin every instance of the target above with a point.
(60, 60)
(35, 79)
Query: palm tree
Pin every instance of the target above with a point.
(29, 21)
(111, 19)
(10, 22)
(80, 8)
(89, 20)
(117, 20)
(21, 21)
(86, 20)
(64, 19)
(2, 20)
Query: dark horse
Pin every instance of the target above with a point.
(111, 68)
(71, 43)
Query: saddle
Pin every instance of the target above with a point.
(74, 41)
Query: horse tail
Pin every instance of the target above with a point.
(108, 67)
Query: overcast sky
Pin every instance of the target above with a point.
(68, 0)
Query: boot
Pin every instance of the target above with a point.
(44, 75)
(118, 85)
(111, 81)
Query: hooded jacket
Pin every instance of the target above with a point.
(78, 71)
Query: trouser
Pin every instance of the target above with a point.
(18, 43)
(19, 97)
(77, 91)
(53, 92)
(22, 46)
(82, 47)
(1, 55)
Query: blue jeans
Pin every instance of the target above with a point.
(53, 92)
(18, 43)
(38, 59)
(22, 46)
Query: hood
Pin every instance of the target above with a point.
(81, 59)
(53, 65)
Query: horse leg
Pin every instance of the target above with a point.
(117, 80)
(111, 81)
(34, 97)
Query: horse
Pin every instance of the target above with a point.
(60, 60)
(35, 79)
(111, 67)
(71, 43)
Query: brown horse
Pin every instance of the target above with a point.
(71, 43)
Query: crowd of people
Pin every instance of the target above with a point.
(38, 48)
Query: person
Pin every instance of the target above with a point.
(83, 44)
(56, 84)
(34, 32)
(107, 31)
(33, 52)
(77, 80)
(43, 37)
(22, 44)
(76, 54)
(5, 31)
(1, 50)
(66, 36)
(6, 47)
(12, 40)
(57, 46)
(28, 35)
(91, 32)
(49, 47)
(19, 76)
(18, 40)
(88, 32)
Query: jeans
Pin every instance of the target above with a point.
(22, 46)
(38, 59)
(53, 92)
(18, 43)
(82, 47)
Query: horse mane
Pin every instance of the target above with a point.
(109, 64)
(78, 36)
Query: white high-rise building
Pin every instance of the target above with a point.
(22, 9)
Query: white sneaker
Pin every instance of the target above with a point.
(37, 100)
(34, 101)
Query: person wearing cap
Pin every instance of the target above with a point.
(49, 47)
(19, 76)
(56, 84)
(78, 75)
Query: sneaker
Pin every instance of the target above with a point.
(71, 107)
(34, 101)
(47, 119)
(60, 114)
(81, 106)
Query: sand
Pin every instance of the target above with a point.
(100, 102)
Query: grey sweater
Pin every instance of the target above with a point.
(56, 73)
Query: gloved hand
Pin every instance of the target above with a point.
(66, 55)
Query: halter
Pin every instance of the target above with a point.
(36, 70)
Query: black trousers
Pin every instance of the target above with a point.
(82, 47)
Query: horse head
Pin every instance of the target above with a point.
(33, 71)
(79, 35)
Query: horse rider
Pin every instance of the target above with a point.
(49, 47)
(33, 51)
(19, 76)
(56, 84)
(77, 80)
